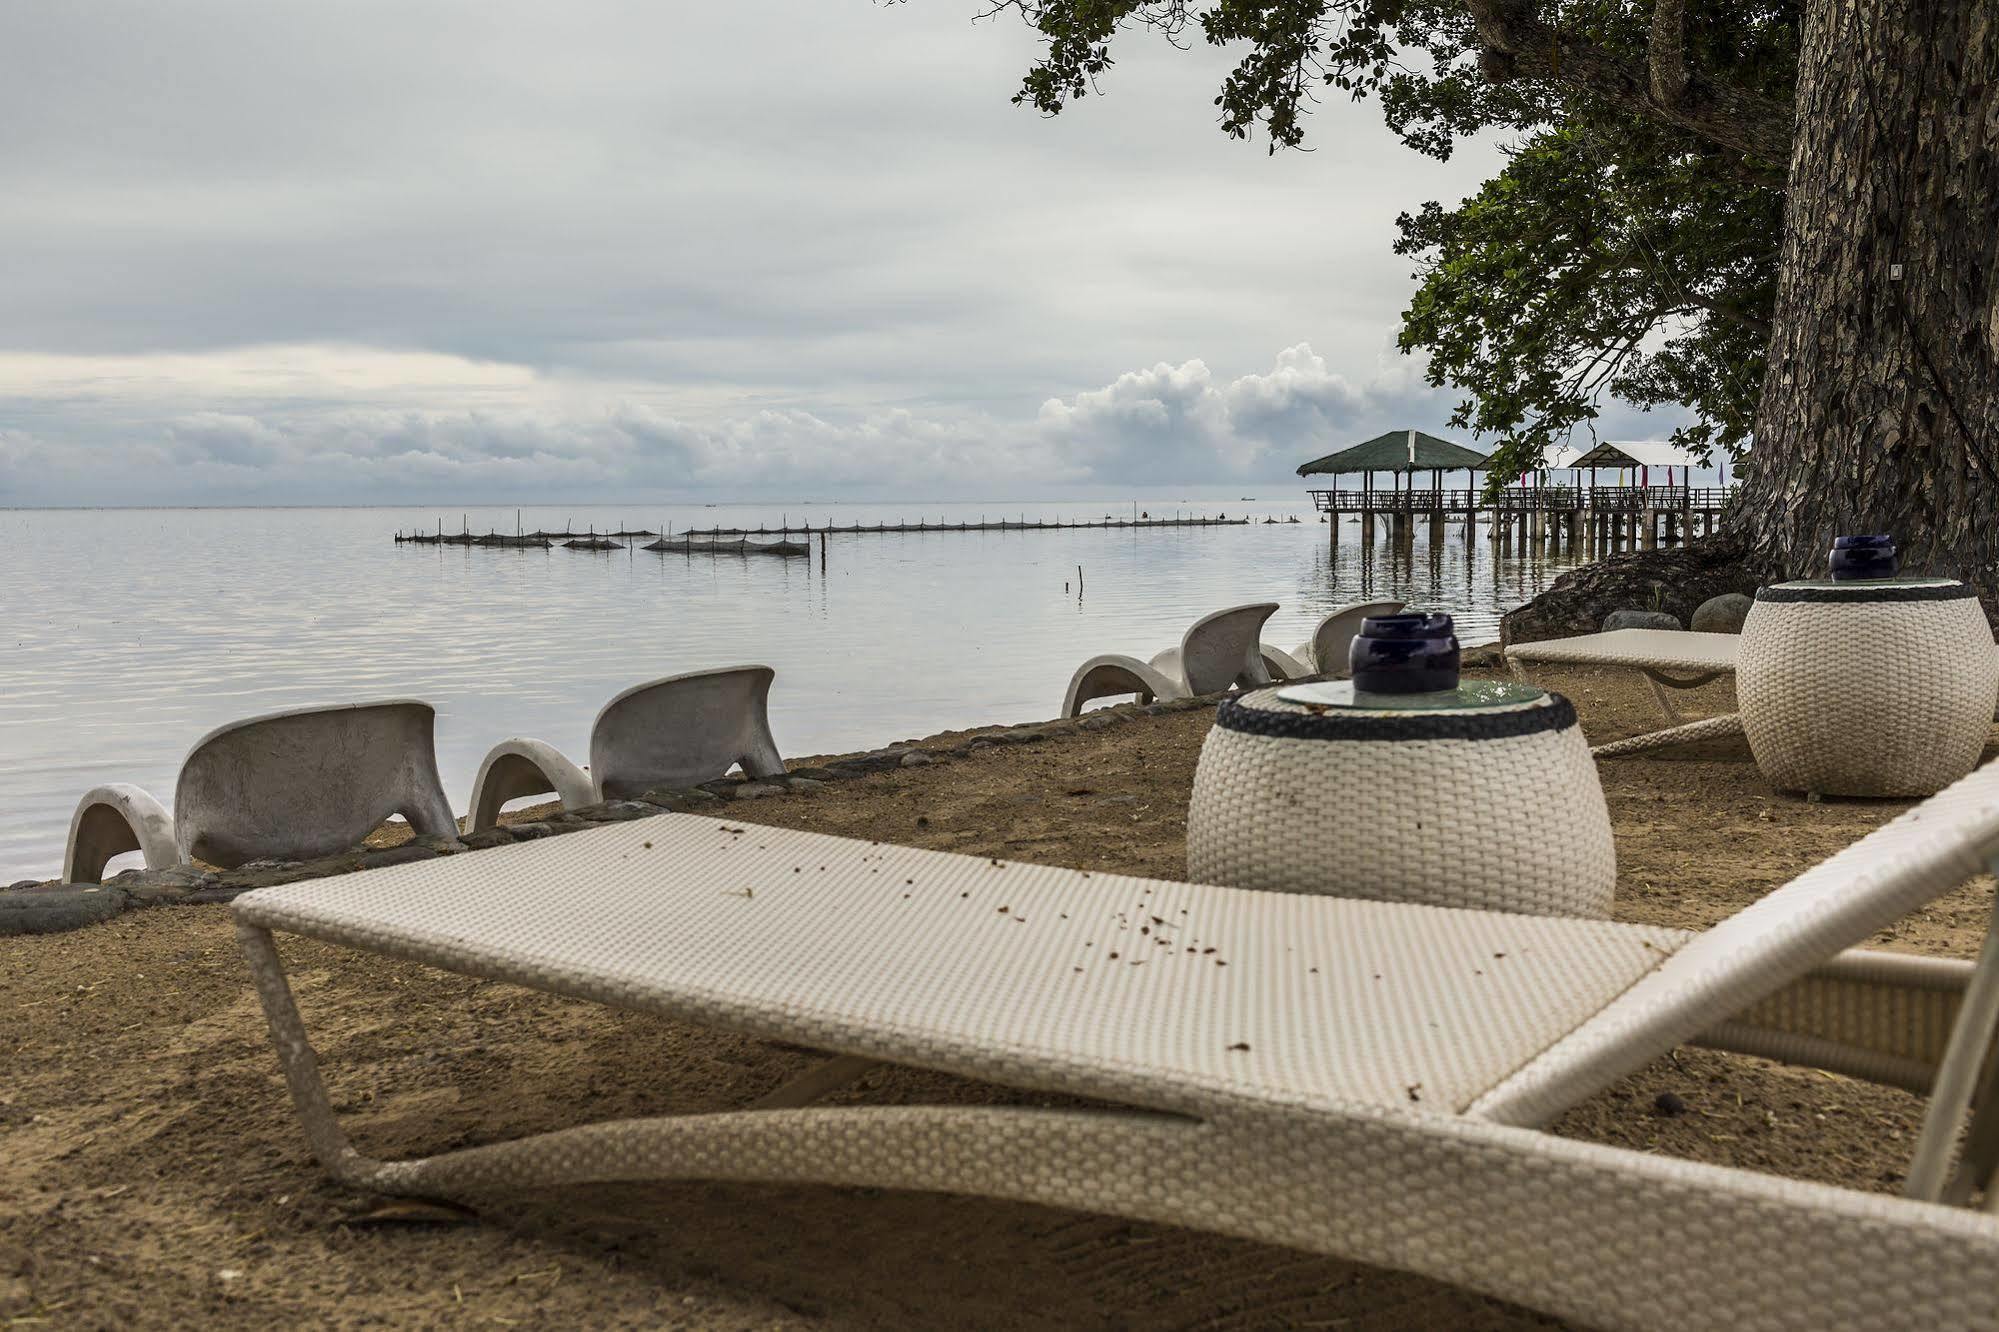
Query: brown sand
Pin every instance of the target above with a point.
(151, 1171)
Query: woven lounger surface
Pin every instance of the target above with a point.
(1653, 649)
(1309, 1067)
(1090, 983)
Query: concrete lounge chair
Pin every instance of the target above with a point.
(1668, 659)
(1325, 653)
(675, 731)
(297, 784)
(1358, 1078)
(1218, 652)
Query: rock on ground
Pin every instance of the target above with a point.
(1721, 615)
(57, 910)
(1639, 619)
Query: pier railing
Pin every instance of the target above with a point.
(1523, 499)
(1394, 501)
(1634, 499)
(1630, 499)
(1549, 499)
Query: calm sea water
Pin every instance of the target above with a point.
(127, 634)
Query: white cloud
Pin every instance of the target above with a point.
(534, 435)
(1179, 423)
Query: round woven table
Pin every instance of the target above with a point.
(1877, 688)
(1484, 796)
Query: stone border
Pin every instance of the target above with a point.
(33, 907)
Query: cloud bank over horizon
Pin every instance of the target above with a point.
(423, 251)
(216, 431)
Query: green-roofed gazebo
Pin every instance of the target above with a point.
(1403, 453)
(1398, 451)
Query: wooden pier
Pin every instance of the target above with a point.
(1596, 519)
(544, 539)
(865, 529)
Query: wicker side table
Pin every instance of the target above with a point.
(1882, 688)
(1482, 797)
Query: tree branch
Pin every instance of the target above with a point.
(1667, 51)
(1518, 45)
(1729, 311)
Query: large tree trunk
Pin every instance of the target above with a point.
(1880, 410)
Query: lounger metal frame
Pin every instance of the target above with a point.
(1669, 659)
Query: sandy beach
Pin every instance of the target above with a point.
(152, 1172)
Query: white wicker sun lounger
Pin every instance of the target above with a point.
(1668, 658)
(1350, 1077)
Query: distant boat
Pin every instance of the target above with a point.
(1249, 499)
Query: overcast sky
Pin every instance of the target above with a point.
(507, 250)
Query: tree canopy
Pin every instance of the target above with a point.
(1628, 247)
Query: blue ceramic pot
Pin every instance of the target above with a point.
(1405, 654)
(1860, 557)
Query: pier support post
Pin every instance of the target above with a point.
(1367, 527)
(1436, 527)
(1650, 535)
